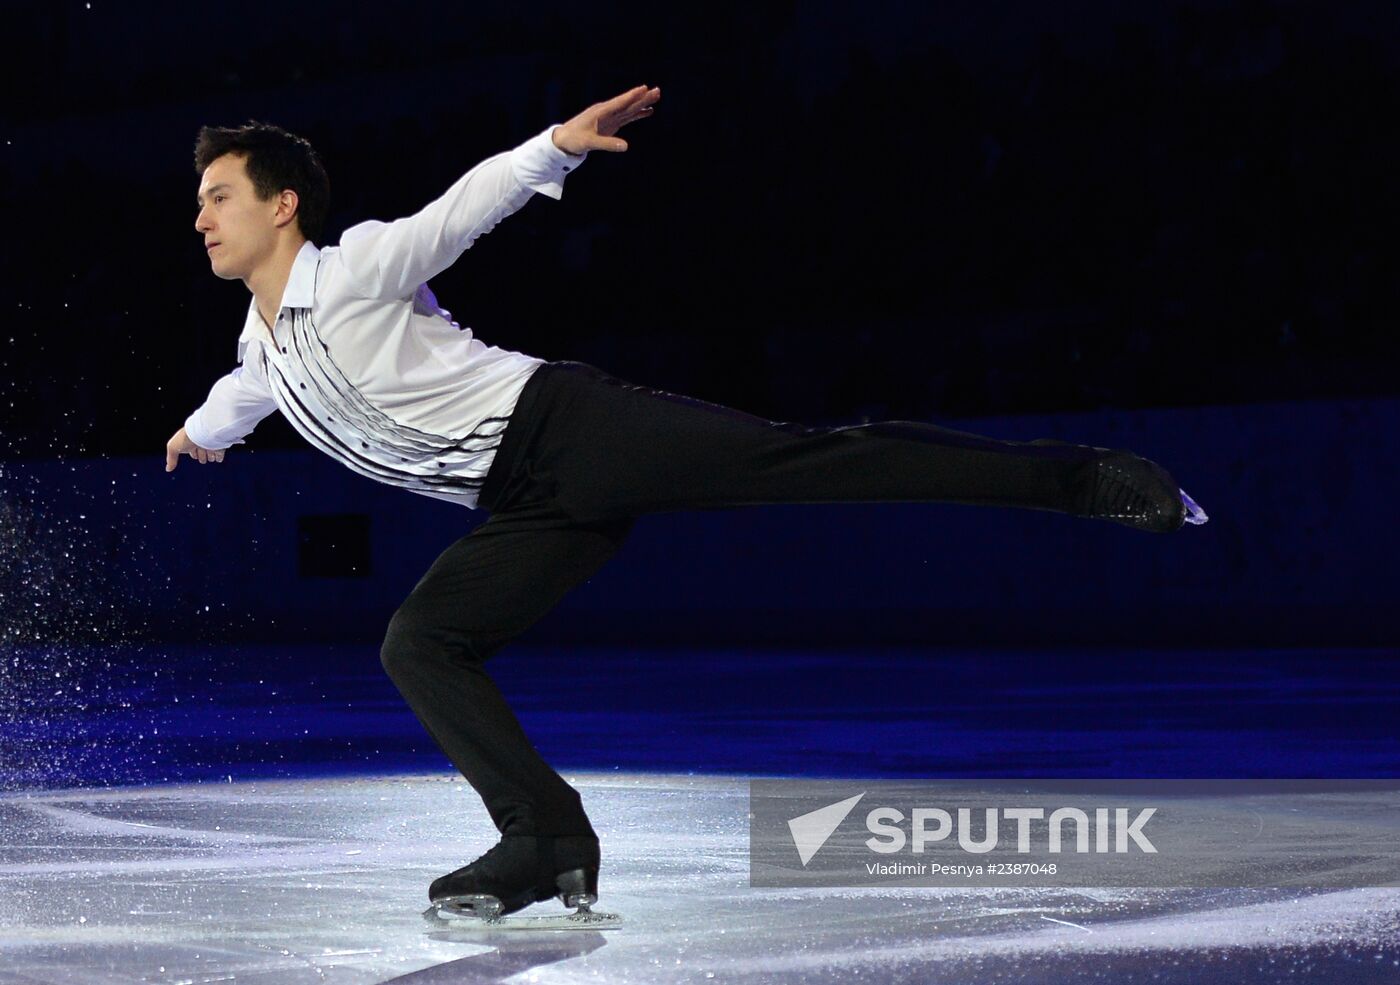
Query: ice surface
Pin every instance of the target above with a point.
(290, 882)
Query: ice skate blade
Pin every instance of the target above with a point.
(474, 906)
(446, 913)
(1194, 513)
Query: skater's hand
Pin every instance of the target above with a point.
(180, 444)
(593, 129)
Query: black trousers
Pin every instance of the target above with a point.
(584, 455)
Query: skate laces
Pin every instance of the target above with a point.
(491, 854)
(1116, 496)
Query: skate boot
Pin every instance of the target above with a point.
(1134, 491)
(520, 870)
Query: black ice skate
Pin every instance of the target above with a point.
(1139, 493)
(1136, 492)
(520, 870)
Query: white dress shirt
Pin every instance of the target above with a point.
(365, 364)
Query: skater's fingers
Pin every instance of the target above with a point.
(620, 102)
(178, 444)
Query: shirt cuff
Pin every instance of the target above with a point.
(194, 432)
(541, 166)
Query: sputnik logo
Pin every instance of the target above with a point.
(810, 831)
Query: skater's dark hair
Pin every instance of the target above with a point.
(276, 160)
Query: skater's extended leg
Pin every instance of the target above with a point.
(608, 447)
(483, 591)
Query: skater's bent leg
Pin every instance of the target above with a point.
(629, 449)
(483, 591)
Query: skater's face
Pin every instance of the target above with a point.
(244, 227)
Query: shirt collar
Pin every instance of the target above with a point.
(299, 293)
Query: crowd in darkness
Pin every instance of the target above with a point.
(819, 225)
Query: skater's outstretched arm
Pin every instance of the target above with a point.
(391, 260)
(236, 403)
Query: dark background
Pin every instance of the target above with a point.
(1161, 226)
(839, 212)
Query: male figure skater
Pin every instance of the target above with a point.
(350, 345)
